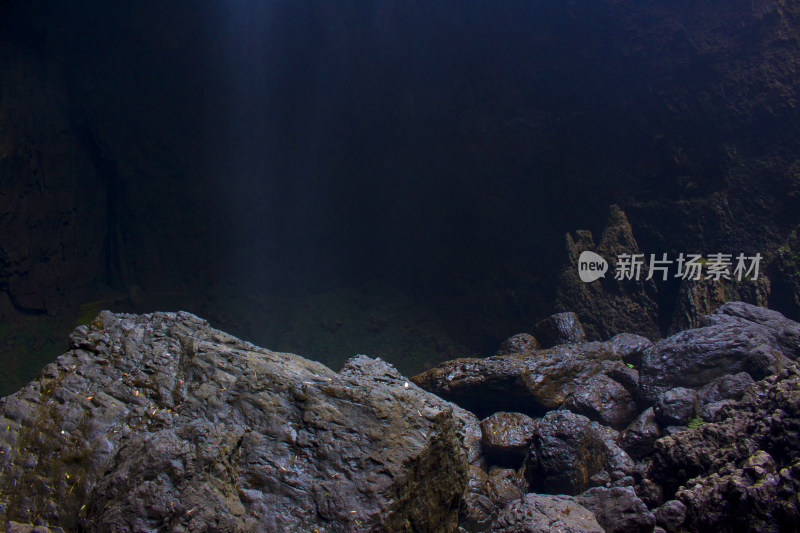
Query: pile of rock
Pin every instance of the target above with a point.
(630, 435)
(159, 422)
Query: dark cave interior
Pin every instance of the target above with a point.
(393, 178)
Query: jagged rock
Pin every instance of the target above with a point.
(569, 450)
(604, 400)
(608, 306)
(159, 421)
(785, 276)
(671, 515)
(507, 437)
(737, 338)
(740, 470)
(675, 407)
(521, 342)
(618, 509)
(561, 328)
(529, 382)
(541, 513)
(712, 397)
(698, 298)
(640, 437)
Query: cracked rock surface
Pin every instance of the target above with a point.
(161, 423)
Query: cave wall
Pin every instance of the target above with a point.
(288, 147)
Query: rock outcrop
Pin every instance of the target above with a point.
(608, 306)
(740, 473)
(538, 381)
(161, 422)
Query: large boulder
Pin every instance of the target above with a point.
(738, 337)
(570, 454)
(161, 422)
(605, 400)
(560, 328)
(507, 437)
(542, 513)
(532, 382)
(640, 437)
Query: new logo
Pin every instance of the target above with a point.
(591, 267)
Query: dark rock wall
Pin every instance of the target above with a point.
(199, 150)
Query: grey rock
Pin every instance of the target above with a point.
(675, 407)
(159, 421)
(730, 387)
(650, 492)
(604, 400)
(477, 510)
(627, 377)
(542, 513)
(640, 437)
(698, 298)
(786, 332)
(507, 437)
(529, 382)
(671, 515)
(560, 328)
(521, 342)
(753, 340)
(506, 485)
(739, 473)
(712, 397)
(618, 509)
(569, 450)
(630, 347)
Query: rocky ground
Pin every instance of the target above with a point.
(161, 423)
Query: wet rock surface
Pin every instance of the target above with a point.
(161, 422)
(540, 513)
(533, 382)
(739, 474)
(507, 437)
(618, 510)
(561, 328)
(736, 338)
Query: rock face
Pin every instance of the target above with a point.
(161, 422)
(618, 510)
(737, 338)
(739, 474)
(540, 513)
(608, 306)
